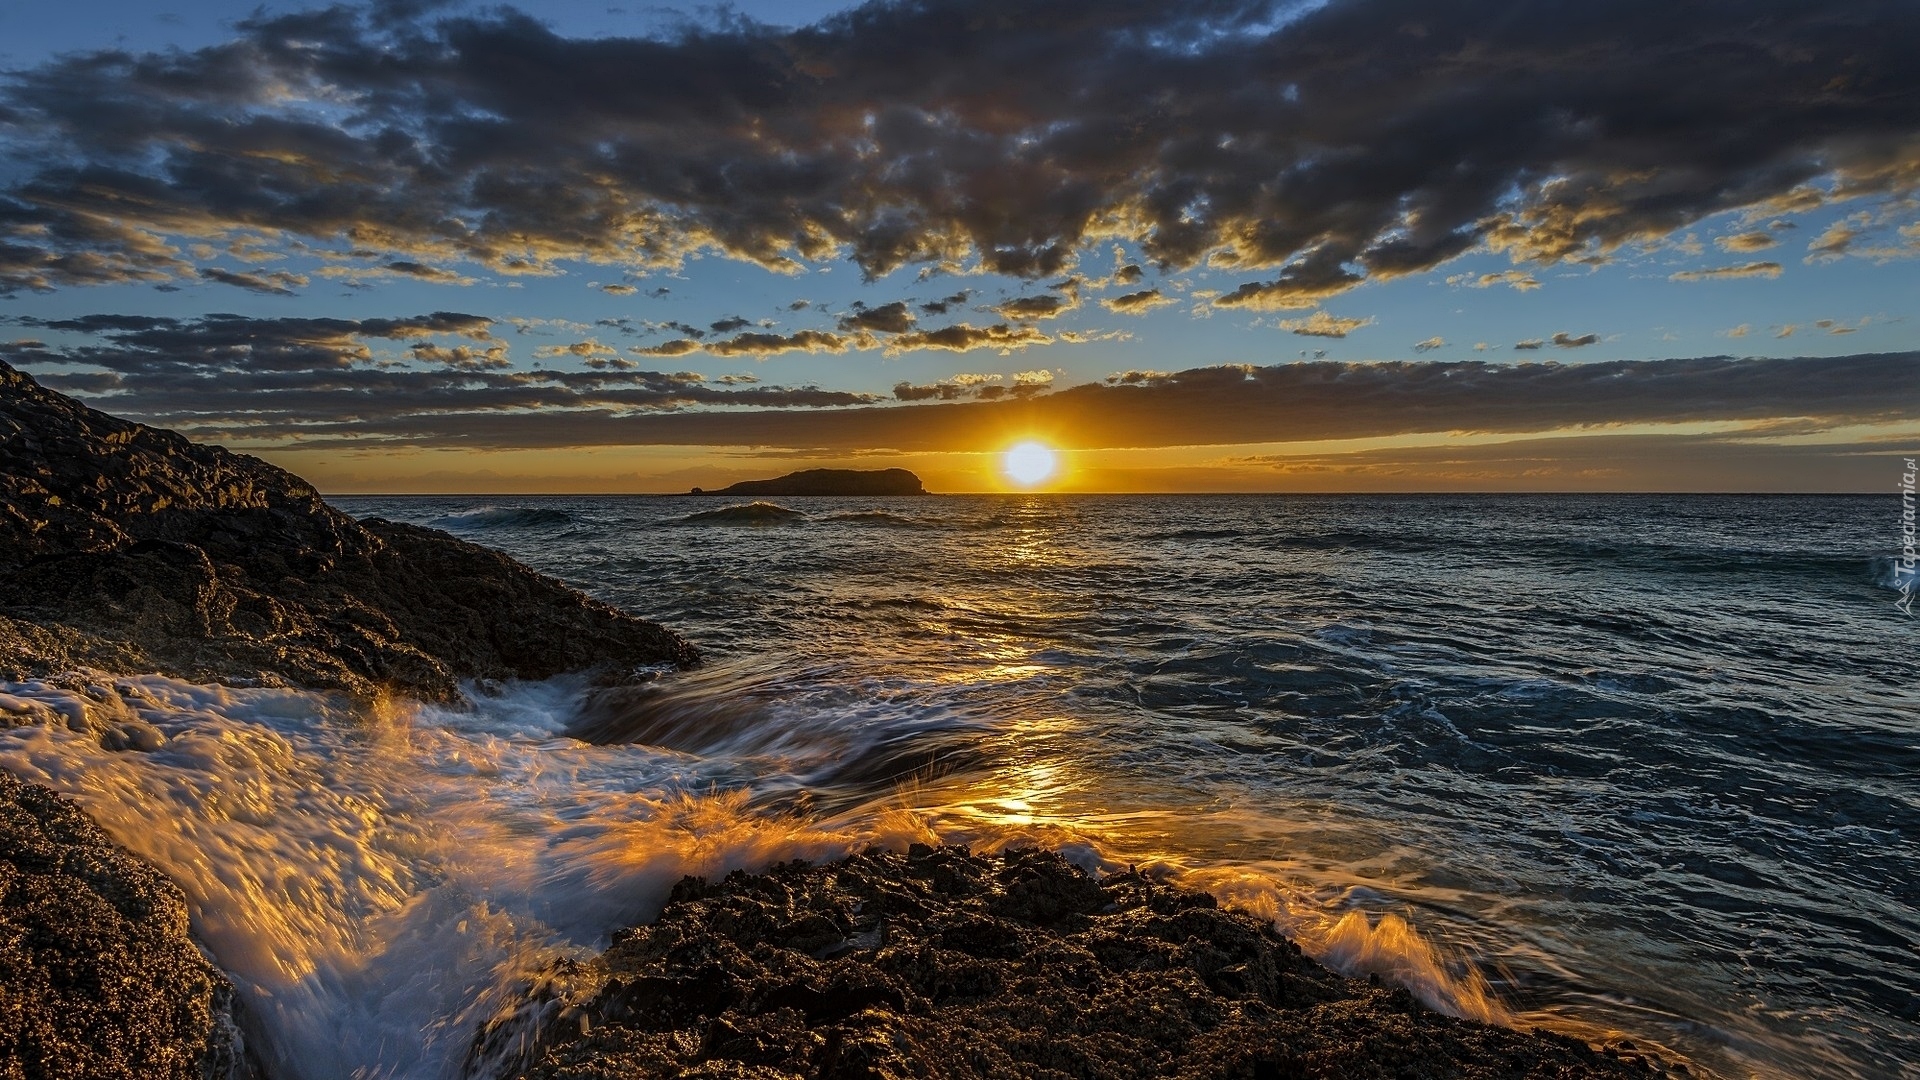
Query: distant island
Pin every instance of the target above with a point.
(828, 482)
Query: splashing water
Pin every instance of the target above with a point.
(382, 882)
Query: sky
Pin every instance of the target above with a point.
(1214, 245)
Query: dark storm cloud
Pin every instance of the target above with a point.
(1136, 303)
(277, 283)
(315, 386)
(891, 318)
(1360, 139)
(947, 303)
(230, 376)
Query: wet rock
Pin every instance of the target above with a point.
(123, 547)
(98, 977)
(946, 964)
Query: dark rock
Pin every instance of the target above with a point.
(951, 965)
(98, 978)
(829, 482)
(129, 548)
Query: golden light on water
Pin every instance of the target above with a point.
(1028, 463)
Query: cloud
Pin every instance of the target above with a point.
(1738, 332)
(1432, 343)
(618, 289)
(277, 283)
(1564, 340)
(1313, 152)
(423, 272)
(729, 324)
(582, 349)
(762, 344)
(1836, 239)
(946, 303)
(1530, 344)
(463, 356)
(1136, 377)
(1300, 285)
(227, 376)
(1137, 303)
(358, 404)
(676, 347)
(1028, 308)
(1722, 273)
(1518, 280)
(893, 318)
(1324, 324)
(953, 387)
(965, 338)
(1746, 242)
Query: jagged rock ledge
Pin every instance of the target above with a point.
(863, 482)
(98, 977)
(128, 548)
(939, 963)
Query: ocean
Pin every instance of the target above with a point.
(1641, 767)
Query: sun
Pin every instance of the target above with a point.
(1028, 463)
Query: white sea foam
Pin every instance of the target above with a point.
(382, 881)
(379, 882)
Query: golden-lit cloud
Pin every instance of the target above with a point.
(1745, 243)
(1723, 273)
(1518, 280)
(1137, 303)
(1324, 324)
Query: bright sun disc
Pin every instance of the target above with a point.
(1028, 463)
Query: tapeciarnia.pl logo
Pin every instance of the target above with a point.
(1904, 573)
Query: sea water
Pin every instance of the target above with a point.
(1642, 767)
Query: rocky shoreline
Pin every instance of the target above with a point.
(125, 548)
(941, 963)
(98, 976)
(128, 548)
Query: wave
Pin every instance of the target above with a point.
(507, 517)
(1889, 572)
(884, 519)
(1196, 534)
(753, 513)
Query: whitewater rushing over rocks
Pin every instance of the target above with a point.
(383, 885)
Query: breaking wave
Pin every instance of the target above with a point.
(509, 517)
(753, 513)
